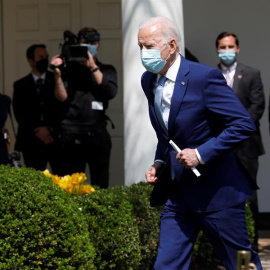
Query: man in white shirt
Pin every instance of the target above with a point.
(247, 85)
(192, 105)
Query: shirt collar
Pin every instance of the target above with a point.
(43, 76)
(231, 68)
(173, 70)
(171, 73)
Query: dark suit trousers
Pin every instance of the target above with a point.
(39, 155)
(179, 228)
(92, 148)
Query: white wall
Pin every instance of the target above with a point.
(249, 19)
(140, 140)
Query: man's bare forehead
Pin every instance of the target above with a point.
(151, 34)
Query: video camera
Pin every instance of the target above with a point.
(72, 51)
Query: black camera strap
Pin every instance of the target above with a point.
(110, 120)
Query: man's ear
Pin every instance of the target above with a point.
(172, 44)
(237, 50)
(31, 62)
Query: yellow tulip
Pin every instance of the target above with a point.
(71, 183)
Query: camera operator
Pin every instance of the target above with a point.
(4, 111)
(85, 86)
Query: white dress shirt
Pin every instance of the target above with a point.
(168, 89)
(232, 70)
(43, 76)
(167, 95)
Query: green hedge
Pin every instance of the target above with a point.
(112, 229)
(43, 227)
(146, 218)
(40, 225)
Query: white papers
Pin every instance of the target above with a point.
(178, 150)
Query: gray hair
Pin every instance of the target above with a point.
(168, 32)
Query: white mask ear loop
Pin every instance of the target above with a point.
(167, 57)
(169, 53)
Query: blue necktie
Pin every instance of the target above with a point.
(158, 98)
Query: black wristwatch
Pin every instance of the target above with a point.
(95, 69)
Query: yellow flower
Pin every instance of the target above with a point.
(84, 189)
(46, 172)
(71, 183)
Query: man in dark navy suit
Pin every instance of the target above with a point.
(37, 112)
(204, 118)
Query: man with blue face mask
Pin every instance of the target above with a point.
(85, 87)
(247, 85)
(192, 105)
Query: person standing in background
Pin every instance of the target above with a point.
(4, 111)
(37, 112)
(85, 85)
(247, 84)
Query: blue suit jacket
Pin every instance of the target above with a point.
(205, 114)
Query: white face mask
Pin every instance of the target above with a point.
(151, 60)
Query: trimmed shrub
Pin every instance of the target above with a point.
(250, 222)
(44, 227)
(146, 217)
(112, 229)
(40, 224)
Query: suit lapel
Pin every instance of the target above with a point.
(150, 84)
(239, 73)
(179, 92)
(237, 77)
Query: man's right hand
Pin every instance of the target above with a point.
(43, 134)
(57, 62)
(151, 173)
(60, 90)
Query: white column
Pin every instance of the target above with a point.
(139, 137)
